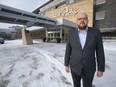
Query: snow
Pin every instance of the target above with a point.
(41, 65)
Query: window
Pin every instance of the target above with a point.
(100, 2)
(100, 15)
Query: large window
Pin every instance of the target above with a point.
(100, 15)
(98, 2)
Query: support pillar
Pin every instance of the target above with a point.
(47, 37)
(26, 37)
(46, 33)
(61, 33)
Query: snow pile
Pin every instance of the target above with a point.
(41, 65)
(25, 66)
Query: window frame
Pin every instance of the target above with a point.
(100, 13)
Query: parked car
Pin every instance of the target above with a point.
(1, 40)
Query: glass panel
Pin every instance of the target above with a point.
(100, 15)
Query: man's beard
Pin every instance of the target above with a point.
(82, 28)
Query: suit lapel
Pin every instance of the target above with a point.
(77, 38)
(87, 38)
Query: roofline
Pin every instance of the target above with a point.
(42, 6)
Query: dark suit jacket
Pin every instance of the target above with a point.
(79, 58)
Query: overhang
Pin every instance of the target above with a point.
(16, 16)
(64, 22)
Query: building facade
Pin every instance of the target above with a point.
(7, 33)
(101, 15)
(13, 32)
(105, 18)
(65, 10)
(38, 34)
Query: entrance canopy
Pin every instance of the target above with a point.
(15, 16)
(64, 22)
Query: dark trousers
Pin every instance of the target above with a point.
(87, 80)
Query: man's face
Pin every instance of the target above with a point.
(82, 21)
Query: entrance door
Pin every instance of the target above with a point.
(53, 35)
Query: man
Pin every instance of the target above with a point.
(82, 45)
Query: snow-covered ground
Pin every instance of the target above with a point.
(41, 65)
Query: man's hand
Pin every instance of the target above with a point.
(67, 69)
(99, 73)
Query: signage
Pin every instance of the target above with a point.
(65, 12)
